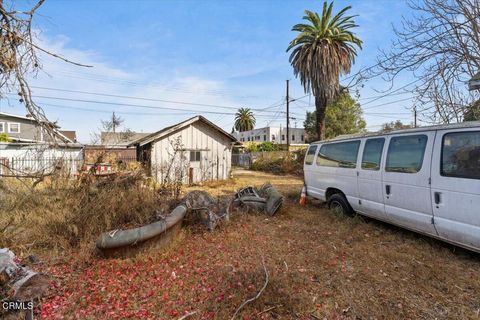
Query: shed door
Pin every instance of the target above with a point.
(194, 171)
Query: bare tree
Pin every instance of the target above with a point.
(19, 58)
(113, 123)
(440, 47)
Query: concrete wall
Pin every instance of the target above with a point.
(215, 155)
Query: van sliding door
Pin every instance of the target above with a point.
(406, 187)
(370, 179)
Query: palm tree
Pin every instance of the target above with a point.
(244, 120)
(323, 50)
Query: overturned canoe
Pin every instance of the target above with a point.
(122, 238)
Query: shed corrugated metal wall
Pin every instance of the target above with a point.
(215, 154)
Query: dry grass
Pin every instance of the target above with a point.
(320, 265)
(66, 214)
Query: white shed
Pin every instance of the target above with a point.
(191, 151)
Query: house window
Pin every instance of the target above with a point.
(2, 127)
(301, 137)
(273, 137)
(248, 138)
(283, 137)
(264, 137)
(13, 127)
(194, 156)
(293, 137)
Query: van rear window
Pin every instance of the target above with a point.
(310, 154)
(341, 154)
(405, 153)
(461, 155)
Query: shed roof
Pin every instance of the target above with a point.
(167, 130)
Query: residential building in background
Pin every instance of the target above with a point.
(32, 150)
(272, 134)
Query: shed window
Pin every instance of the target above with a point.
(461, 155)
(14, 127)
(194, 156)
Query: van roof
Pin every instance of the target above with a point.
(466, 124)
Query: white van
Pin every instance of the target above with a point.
(424, 179)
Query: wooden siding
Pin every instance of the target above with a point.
(215, 149)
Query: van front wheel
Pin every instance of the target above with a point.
(339, 205)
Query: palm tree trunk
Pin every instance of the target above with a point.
(321, 107)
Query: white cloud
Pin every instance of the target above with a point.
(104, 77)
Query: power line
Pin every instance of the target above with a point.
(181, 112)
(387, 103)
(144, 99)
(99, 78)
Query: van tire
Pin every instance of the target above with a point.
(338, 202)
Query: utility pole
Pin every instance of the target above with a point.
(288, 120)
(414, 116)
(113, 121)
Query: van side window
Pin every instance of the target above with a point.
(341, 154)
(372, 154)
(405, 153)
(461, 155)
(310, 155)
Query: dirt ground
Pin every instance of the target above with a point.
(320, 266)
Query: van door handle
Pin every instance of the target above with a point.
(437, 197)
(387, 189)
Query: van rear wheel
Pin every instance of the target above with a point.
(339, 205)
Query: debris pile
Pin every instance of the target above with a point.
(266, 199)
(19, 285)
(197, 206)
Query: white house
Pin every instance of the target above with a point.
(31, 151)
(272, 134)
(191, 151)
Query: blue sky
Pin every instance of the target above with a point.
(226, 54)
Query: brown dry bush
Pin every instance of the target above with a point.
(62, 213)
